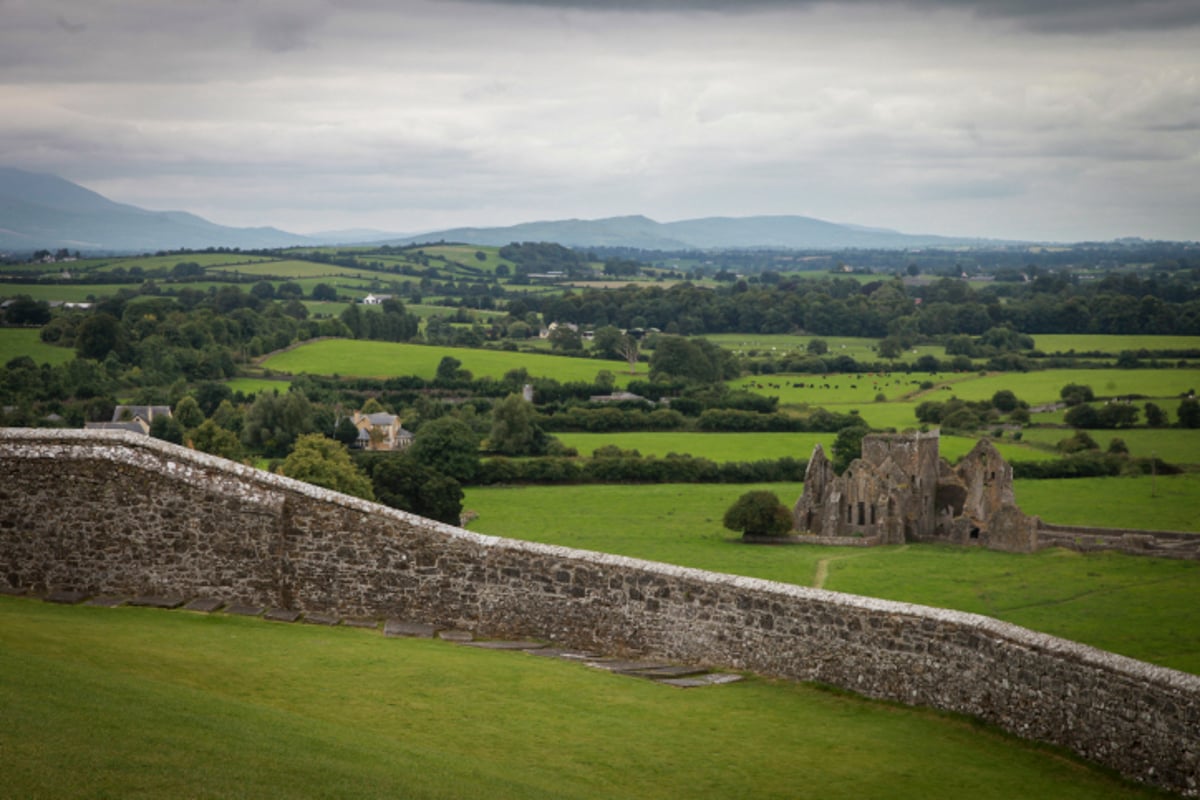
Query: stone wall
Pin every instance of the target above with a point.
(1130, 541)
(117, 513)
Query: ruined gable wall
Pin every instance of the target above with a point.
(118, 513)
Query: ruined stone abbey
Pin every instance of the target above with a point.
(900, 490)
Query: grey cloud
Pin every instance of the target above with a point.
(1047, 16)
(68, 26)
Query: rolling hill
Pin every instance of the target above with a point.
(709, 233)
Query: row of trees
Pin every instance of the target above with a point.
(845, 307)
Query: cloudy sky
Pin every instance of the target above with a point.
(1033, 119)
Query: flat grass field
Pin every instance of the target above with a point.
(139, 703)
(388, 359)
(1051, 343)
(723, 447)
(1141, 607)
(16, 342)
(1035, 388)
(1173, 445)
(249, 386)
(300, 269)
(1168, 502)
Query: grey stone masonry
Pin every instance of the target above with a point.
(110, 513)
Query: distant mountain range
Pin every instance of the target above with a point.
(40, 211)
(709, 233)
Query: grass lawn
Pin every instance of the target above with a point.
(1168, 502)
(15, 342)
(1141, 607)
(137, 703)
(387, 359)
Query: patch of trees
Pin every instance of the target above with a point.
(542, 257)
(391, 323)
(994, 319)
(965, 415)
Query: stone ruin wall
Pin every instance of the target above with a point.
(115, 513)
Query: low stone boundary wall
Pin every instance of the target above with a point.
(116, 513)
(828, 541)
(1162, 544)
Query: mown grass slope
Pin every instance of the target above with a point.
(135, 703)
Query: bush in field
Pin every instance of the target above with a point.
(758, 513)
(1189, 413)
(1079, 442)
(1155, 416)
(1075, 393)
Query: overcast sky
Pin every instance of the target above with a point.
(1032, 119)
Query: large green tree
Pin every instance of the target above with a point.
(275, 421)
(324, 462)
(209, 437)
(515, 431)
(847, 446)
(401, 482)
(449, 446)
(696, 360)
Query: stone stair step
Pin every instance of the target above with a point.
(398, 627)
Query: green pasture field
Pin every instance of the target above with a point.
(66, 292)
(723, 447)
(1044, 386)
(139, 703)
(388, 359)
(847, 392)
(1165, 502)
(105, 264)
(15, 342)
(465, 254)
(322, 308)
(804, 389)
(249, 386)
(1137, 606)
(1098, 343)
(168, 261)
(1173, 445)
(300, 269)
(784, 344)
